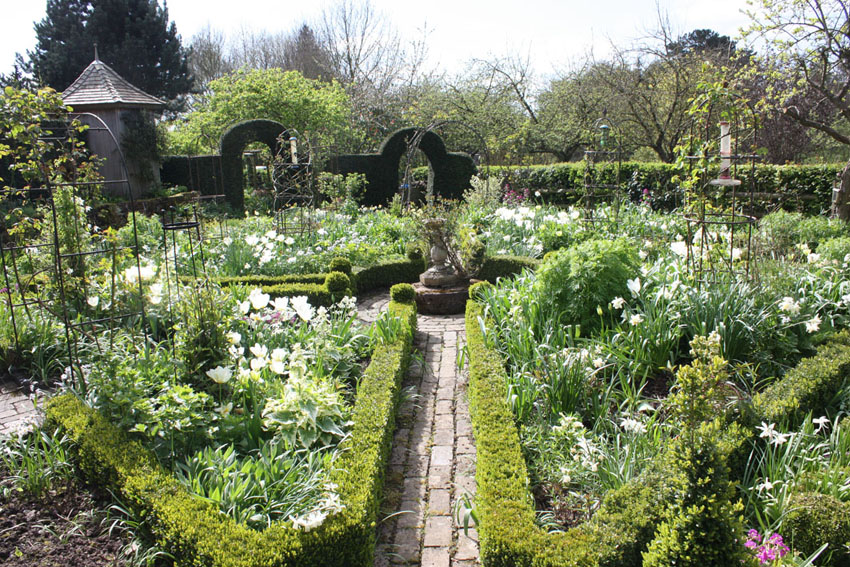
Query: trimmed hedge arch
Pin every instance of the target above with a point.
(233, 143)
(451, 170)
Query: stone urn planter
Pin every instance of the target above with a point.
(440, 291)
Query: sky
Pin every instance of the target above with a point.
(550, 33)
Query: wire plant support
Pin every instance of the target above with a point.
(719, 206)
(63, 286)
(602, 175)
(292, 179)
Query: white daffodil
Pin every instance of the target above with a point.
(634, 286)
(813, 324)
(618, 302)
(636, 319)
(234, 338)
(93, 301)
(788, 305)
(631, 425)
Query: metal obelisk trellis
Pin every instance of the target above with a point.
(292, 177)
(67, 240)
(719, 206)
(602, 182)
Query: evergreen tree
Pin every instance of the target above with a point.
(134, 37)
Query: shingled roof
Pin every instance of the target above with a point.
(99, 85)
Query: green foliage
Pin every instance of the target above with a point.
(835, 250)
(703, 527)
(338, 284)
(387, 274)
(196, 533)
(343, 191)
(503, 266)
(806, 188)
(284, 96)
(780, 232)
(258, 489)
(413, 251)
(814, 519)
(41, 347)
(577, 280)
(809, 387)
(402, 293)
(35, 462)
(201, 335)
(340, 264)
(478, 288)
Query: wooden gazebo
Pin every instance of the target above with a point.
(100, 91)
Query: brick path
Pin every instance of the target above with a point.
(432, 465)
(17, 411)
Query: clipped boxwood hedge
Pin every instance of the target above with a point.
(386, 274)
(196, 533)
(809, 386)
(807, 188)
(504, 266)
(625, 523)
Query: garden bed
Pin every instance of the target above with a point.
(194, 531)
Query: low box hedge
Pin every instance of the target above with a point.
(625, 523)
(386, 274)
(504, 266)
(197, 534)
(808, 387)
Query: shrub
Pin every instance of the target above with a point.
(814, 519)
(835, 249)
(702, 527)
(402, 293)
(810, 386)
(575, 281)
(340, 264)
(414, 251)
(388, 273)
(338, 284)
(477, 288)
(503, 266)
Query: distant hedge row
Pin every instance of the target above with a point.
(805, 188)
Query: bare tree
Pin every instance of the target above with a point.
(368, 56)
(209, 57)
(808, 50)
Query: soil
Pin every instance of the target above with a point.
(658, 385)
(568, 509)
(63, 528)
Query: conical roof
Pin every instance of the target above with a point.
(100, 86)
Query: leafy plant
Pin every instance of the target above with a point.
(576, 281)
(36, 461)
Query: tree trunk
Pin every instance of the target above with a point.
(841, 195)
